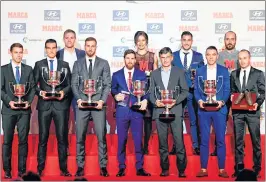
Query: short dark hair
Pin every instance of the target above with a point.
(165, 50)
(186, 33)
(212, 48)
(229, 32)
(31, 176)
(141, 33)
(50, 41)
(69, 31)
(129, 51)
(245, 50)
(19, 45)
(91, 39)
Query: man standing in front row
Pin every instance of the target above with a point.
(125, 116)
(220, 75)
(249, 79)
(91, 67)
(168, 77)
(16, 73)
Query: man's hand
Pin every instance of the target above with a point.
(43, 93)
(255, 107)
(159, 103)
(201, 104)
(172, 105)
(119, 97)
(100, 104)
(231, 98)
(62, 95)
(11, 104)
(143, 104)
(79, 103)
(27, 105)
(220, 104)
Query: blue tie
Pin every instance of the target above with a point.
(17, 74)
(51, 65)
(185, 60)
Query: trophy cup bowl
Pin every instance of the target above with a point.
(167, 98)
(20, 91)
(210, 91)
(138, 91)
(89, 88)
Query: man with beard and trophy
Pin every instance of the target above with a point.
(212, 90)
(126, 116)
(90, 73)
(247, 81)
(53, 77)
(166, 82)
(17, 93)
(189, 60)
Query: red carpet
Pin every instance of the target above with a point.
(151, 164)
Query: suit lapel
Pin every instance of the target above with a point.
(160, 78)
(169, 86)
(95, 66)
(179, 60)
(250, 76)
(238, 79)
(59, 65)
(11, 72)
(123, 78)
(193, 59)
(84, 68)
(23, 76)
(61, 55)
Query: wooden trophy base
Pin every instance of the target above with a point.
(52, 95)
(20, 105)
(167, 118)
(211, 106)
(89, 105)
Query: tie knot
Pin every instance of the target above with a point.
(129, 74)
(17, 67)
(244, 71)
(51, 60)
(186, 53)
(90, 60)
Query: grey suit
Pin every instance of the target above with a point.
(176, 78)
(101, 68)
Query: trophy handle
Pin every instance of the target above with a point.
(11, 83)
(148, 85)
(155, 92)
(82, 80)
(177, 89)
(200, 84)
(221, 84)
(46, 70)
(28, 87)
(65, 71)
(99, 80)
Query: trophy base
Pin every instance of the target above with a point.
(211, 106)
(52, 95)
(135, 107)
(167, 117)
(89, 105)
(20, 105)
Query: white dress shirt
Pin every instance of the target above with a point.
(242, 75)
(211, 75)
(88, 62)
(189, 56)
(54, 63)
(14, 68)
(126, 70)
(70, 57)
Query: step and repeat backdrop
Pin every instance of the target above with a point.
(114, 24)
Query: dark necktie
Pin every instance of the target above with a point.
(129, 84)
(244, 82)
(17, 74)
(51, 65)
(185, 60)
(90, 69)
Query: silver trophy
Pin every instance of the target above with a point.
(19, 90)
(140, 88)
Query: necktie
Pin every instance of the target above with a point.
(90, 68)
(17, 74)
(129, 84)
(51, 65)
(185, 60)
(244, 82)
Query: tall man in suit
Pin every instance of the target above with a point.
(122, 80)
(188, 60)
(250, 79)
(56, 109)
(16, 73)
(220, 74)
(168, 77)
(91, 67)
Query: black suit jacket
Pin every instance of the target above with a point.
(65, 86)
(255, 83)
(7, 77)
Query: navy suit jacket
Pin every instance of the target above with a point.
(197, 62)
(80, 54)
(119, 84)
(222, 85)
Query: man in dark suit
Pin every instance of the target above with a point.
(91, 67)
(169, 77)
(188, 60)
(122, 80)
(249, 79)
(220, 75)
(56, 109)
(16, 73)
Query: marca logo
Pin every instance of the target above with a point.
(190, 28)
(17, 28)
(221, 28)
(257, 51)
(256, 28)
(257, 15)
(86, 15)
(25, 51)
(222, 15)
(17, 15)
(120, 28)
(258, 64)
(154, 15)
(86, 28)
(118, 51)
(52, 15)
(154, 28)
(188, 15)
(120, 15)
(52, 28)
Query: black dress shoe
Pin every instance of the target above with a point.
(234, 175)
(39, 172)
(196, 151)
(145, 151)
(8, 175)
(182, 175)
(21, 173)
(121, 172)
(214, 153)
(173, 151)
(141, 172)
(104, 172)
(80, 172)
(65, 173)
(164, 173)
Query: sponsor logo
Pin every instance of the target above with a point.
(17, 15)
(25, 51)
(221, 28)
(257, 51)
(117, 64)
(86, 15)
(86, 28)
(120, 28)
(257, 15)
(120, 15)
(17, 28)
(26, 40)
(154, 28)
(52, 15)
(188, 28)
(258, 64)
(118, 51)
(126, 39)
(52, 28)
(188, 15)
(219, 15)
(256, 28)
(154, 15)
